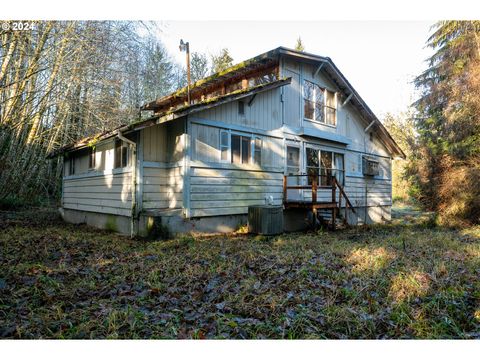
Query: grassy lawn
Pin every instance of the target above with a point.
(403, 280)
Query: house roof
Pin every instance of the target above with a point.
(170, 115)
(165, 110)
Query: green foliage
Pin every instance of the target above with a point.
(221, 61)
(299, 45)
(448, 124)
(198, 66)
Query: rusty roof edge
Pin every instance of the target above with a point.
(183, 91)
(168, 116)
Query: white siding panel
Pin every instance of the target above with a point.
(219, 191)
(110, 193)
(163, 188)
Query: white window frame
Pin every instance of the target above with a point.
(324, 105)
(319, 149)
(252, 137)
(229, 145)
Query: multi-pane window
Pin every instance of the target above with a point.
(313, 99)
(324, 165)
(121, 154)
(319, 104)
(240, 149)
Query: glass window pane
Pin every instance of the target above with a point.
(340, 168)
(245, 150)
(326, 168)
(319, 95)
(224, 153)
(124, 156)
(224, 138)
(330, 113)
(308, 109)
(319, 113)
(257, 156)
(236, 149)
(293, 156)
(312, 157)
(330, 99)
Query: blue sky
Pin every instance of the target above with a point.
(379, 58)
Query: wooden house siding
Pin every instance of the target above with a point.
(263, 113)
(102, 189)
(162, 186)
(105, 193)
(222, 188)
(228, 191)
(163, 170)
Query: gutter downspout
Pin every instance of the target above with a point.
(133, 218)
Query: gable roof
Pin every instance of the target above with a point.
(173, 106)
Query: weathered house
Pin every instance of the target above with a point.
(198, 166)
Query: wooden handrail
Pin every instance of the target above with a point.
(314, 187)
(342, 191)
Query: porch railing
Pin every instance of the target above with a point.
(314, 187)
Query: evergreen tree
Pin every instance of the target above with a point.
(299, 45)
(448, 122)
(221, 61)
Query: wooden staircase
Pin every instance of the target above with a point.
(320, 209)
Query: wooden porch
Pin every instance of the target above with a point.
(314, 205)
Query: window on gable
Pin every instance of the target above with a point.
(121, 154)
(313, 99)
(319, 104)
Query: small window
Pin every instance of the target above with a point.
(371, 136)
(71, 166)
(224, 145)
(241, 149)
(121, 154)
(91, 158)
(241, 108)
(257, 152)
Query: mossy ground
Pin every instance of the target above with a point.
(403, 280)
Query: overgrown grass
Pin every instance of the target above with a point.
(404, 280)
